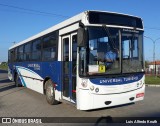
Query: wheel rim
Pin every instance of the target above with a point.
(49, 92)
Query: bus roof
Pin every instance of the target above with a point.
(63, 24)
(53, 28)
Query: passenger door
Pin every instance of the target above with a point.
(69, 69)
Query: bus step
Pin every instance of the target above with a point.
(68, 102)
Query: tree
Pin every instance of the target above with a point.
(146, 64)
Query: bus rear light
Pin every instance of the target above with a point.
(139, 95)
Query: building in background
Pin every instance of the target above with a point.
(152, 67)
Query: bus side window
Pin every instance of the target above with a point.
(16, 55)
(11, 55)
(20, 53)
(36, 50)
(27, 52)
(49, 47)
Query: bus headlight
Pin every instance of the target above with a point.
(84, 83)
(92, 88)
(97, 90)
(141, 83)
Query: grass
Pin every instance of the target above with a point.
(152, 80)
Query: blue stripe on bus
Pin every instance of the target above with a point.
(26, 69)
(117, 80)
(47, 69)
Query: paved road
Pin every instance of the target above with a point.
(23, 102)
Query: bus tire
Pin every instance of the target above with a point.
(50, 93)
(16, 80)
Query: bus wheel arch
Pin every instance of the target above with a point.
(50, 91)
(44, 84)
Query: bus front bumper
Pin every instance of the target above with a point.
(88, 101)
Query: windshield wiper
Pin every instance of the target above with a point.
(110, 37)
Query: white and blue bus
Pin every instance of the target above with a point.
(93, 60)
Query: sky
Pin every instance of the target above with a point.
(18, 23)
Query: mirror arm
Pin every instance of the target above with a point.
(81, 25)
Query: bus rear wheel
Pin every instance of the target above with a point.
(16, 80)
(50, 93)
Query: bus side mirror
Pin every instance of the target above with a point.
(82, 37)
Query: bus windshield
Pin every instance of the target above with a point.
(111, 51)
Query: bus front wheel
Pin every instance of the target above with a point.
(50, 93)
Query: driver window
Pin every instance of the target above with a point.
(92, 51)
